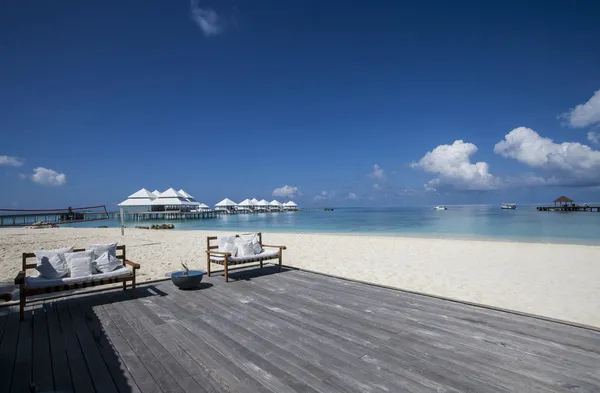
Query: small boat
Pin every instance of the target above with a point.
(508, 206)
(440, 207)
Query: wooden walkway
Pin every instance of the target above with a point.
(288, 332)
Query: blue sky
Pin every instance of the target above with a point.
(347, 104)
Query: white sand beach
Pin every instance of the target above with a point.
(554, 280)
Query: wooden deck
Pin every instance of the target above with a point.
(288, 332)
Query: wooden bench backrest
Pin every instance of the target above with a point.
(27, 255)
(211, 239)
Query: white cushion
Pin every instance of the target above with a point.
(257, 246)
(229, 247)
(56, 268)
(245, 249)
(254, 239)
(106, 263)
(80, 263)
(40, 282)
(100, 249)
(222, 240)
(266, 254)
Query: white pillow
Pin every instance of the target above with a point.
(52, 263)
(222, 240)
(229, 247)
(256, 246)
(100, 249)
(54, 267)
(106, 263)
(80, 263)
(245, 249)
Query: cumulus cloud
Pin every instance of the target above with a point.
(593, 137)
(586, 114)
(453, 165)
(48, 177)
(322, 196)
(10, 161)
(285, 192)
(377, 186)
(377, 173)
(351, 196)
(206, 18)
(567, 163)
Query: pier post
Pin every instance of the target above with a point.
(122, 225)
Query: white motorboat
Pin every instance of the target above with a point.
(508, 206)
(440, 207)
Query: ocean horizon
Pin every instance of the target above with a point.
(474, 222)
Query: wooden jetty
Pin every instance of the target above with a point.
(287, 332)
(14, 217)
(564, 204)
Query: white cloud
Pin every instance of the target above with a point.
(567, 163)
(584, 115)
(352, 196)
(285, 192)
(10, 160)
(453, 165)
(321, 197)
(593, 137)
(206, 18)
(376, 186)
(22, 176)
(48, 177)
(377, 173)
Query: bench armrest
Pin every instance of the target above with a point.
(132, 264)
(280, 247)
(20, 279)
(227, 254)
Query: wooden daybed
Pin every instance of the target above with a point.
(30, 286)
(270, 252)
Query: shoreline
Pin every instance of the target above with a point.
(406, 235)
(557, 281)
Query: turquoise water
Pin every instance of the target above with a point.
(472, 222)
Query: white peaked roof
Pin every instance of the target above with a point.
(226, 203)
(254, 200)
(203, 206)
(143, 193)
(170, 193)
(275, 202)
(262, 203)
(156, 192)
(290, 203)
(184, 194)
(246, 203)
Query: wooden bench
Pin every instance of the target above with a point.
(30, 286)
(225, 258)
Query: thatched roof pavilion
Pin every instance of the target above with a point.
(562, 199)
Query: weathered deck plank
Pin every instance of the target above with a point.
(289, 332)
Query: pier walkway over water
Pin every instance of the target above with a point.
(288, 332)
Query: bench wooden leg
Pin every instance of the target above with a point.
(261, 264)
(21, 302)
(124, 285)
(133, 285)
(226, 270)
(208, 265)
(280, 258)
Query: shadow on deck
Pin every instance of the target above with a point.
(287, 332)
